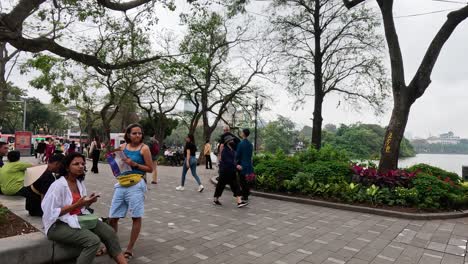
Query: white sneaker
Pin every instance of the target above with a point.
(201, 188)
(180, 188)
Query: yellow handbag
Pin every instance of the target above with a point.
(129, 179)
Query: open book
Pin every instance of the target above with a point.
(116, 162)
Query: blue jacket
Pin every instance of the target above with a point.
(244, 156)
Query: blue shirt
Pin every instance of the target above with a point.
(244, 156)
(135, 155)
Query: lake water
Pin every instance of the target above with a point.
(447, 162)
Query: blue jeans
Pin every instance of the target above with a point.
(193, 169)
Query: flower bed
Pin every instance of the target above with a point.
(12, 225)
(328, 174)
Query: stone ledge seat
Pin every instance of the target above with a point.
(31, 248)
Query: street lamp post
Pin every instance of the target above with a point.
(258, 107)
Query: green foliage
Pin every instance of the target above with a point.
(161, 125)
(326, 173)
(435, 171)
(362, 141)
(434, 193)
(279, 165)
(279, 134)
(267, 182)
(3, 214)
(406, 196)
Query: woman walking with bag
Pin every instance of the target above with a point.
(190, 162)
(66, 219)
(95, 151)
(129, 192)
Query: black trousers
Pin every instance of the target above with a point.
(244, 186)
(95, 155)
(33, 203)
(208, 161)
(227, 177)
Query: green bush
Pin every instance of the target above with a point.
(434, 193)
(267, 182)
(405, 196)
(328, 171)
(326, 153)
(280, 166)
(3, 214)
(435, 171)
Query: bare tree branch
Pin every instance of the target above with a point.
(422, 79)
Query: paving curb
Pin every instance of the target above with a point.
(360, 209)
(34, 247)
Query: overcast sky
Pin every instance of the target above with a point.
(442, 108)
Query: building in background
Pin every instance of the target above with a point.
(445, 139)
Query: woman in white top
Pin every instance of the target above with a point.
(63, 202)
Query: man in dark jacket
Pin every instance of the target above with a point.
(227, 173)
(244, 163)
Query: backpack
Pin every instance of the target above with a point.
(154, 149)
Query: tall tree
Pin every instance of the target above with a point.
(329, 50)
(404, 95)
(211, 84)
(158, 96)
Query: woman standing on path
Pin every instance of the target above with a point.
(227, 173)
(132, 197)
(207, 153)
(64, 201)
(190, 162)
(95, 151)
(49, 150)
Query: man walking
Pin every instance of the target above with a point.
(244, 155)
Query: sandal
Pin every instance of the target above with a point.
(128, 255)
(102, 251)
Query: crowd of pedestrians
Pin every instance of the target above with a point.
(60, 197)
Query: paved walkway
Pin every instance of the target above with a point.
(184, 228)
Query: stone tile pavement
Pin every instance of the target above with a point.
(184, 228)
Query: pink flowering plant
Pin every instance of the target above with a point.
(393, 178)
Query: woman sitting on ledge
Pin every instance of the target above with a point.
(64, 202)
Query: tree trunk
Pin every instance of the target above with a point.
(317, 122)
(393, 136)
(318, 81)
